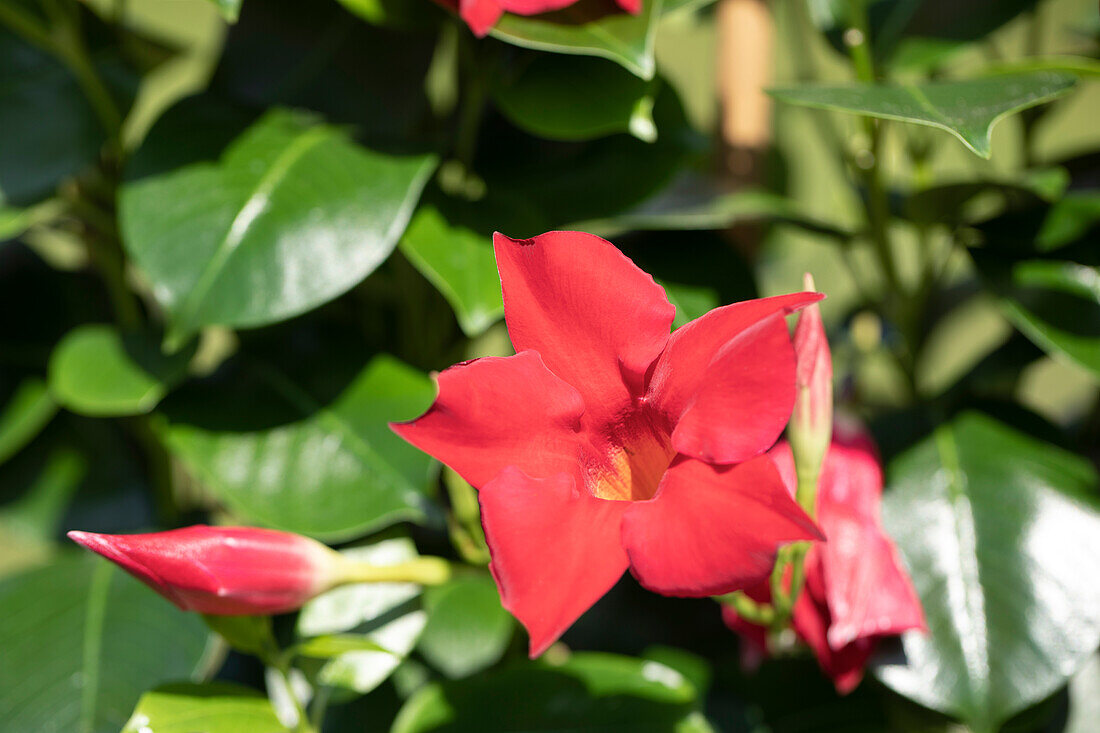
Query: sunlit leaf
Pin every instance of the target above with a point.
(216, 707)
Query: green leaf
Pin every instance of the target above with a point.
(467, 629)
(1055, 303)
(230, 9)
(42, 106)
(1069, 220)
(576, 98)
(590, 28)
(694, 202)
(29, 409)
(460, 264)
(588, 692)
(294, 209)
(281, 453)
(966, 109)
(380, 614)
(217, 707)
(1002, 536)
(82, 640)
(97, 371)
(249, 634)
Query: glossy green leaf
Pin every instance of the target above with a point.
(81, 641)
(588, 692)
(294, 209)
(28, 410)
(216, 707)
(461, 265)
(334, 645)
(380, 614)
(576, 98)
(230, 9)
(594, 28)
(467, 629)
(1071, 218)
(97, 371)
(1002, 536)
(323, 466)
(966, 109)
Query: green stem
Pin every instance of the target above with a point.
(305, 723)
(422, 570)
(26, 25)
(761, 614)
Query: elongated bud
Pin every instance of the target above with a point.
(811, 423)
(228, 571)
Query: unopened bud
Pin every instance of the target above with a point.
(811, 423)
(228, 571)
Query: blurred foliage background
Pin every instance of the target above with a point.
(236, 239)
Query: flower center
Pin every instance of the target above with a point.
(631, 460)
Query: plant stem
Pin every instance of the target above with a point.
(422, 570)
(761, 614)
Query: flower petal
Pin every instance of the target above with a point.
(843, 665)
(556, 550)
(712, 529)
(480, 15)
(745, 399)
(631, 6)
(534, 7)
(866, 587)
(496, 412)
(682, 368)
(598, 321)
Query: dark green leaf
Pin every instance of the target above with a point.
(1069, 220)
(99, 372)
(1002, 537)
(294, 209)
(216, 707)
(1054, 303)
(28, 410)
(575, 98)
(81, 641)
(693, 202)
(467, 629)
(461, 265)
(588, 692)
(248, 634)
(966, 109)
(326, 466)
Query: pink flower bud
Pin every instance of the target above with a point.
(812, 419)
(228, 571)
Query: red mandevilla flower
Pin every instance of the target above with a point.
(482, 15)
(856, 587)
(606, 444)
(229, 571)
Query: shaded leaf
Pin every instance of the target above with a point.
(461, 265)
(468, 630)
(296, 459)
(966, 109)
(216, 707)
(293, 208)
(97, 371)
(28, 410)
(575, 98)
(230, 9)
(82, 640)
(1002, 536)
(588, 692)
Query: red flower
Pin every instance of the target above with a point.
(482, 15)
(229, 571)
(604, 443)
(856, 587)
